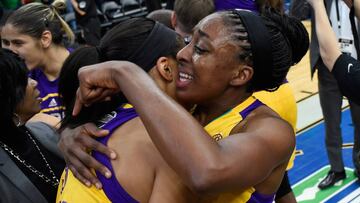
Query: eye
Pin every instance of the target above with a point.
(199, 50)
(17, 42)
(5, 42)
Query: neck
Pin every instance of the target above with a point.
(209, 111)
(54, 59)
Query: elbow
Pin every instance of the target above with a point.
(201, 184)
(207, 180)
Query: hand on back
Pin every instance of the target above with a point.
(75, 145)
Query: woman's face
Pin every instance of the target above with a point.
(27, 47)
(30, 105)
(207, 64)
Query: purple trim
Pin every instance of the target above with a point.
(244, 113)
(236, 4)
(112, 188)
(260, 198)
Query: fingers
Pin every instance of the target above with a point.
(81, 178)
(83, 168)
(78, 104)
(92, 130)
(74, 143)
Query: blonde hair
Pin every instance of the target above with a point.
(34, 18)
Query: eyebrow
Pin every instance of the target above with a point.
(203, 34)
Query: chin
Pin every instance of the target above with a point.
(30, 66)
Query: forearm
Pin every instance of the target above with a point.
(181, 140)
(347, 73)
(76, 7)
(328, 45)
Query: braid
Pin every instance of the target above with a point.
(289, 43)
(240, 35)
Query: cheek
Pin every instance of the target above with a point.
(195, 58)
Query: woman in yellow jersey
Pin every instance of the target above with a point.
(232, 54)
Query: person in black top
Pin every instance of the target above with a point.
(30, 163)
(86, 18)
(345, 69)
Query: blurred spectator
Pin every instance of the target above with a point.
(162, 15)
(86, 18)
(187, 13)
(329, 91)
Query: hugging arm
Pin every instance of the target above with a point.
(204, 164)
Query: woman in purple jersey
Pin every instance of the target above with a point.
(141, 175)
(35, 32)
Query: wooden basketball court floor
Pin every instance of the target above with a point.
(311, 163)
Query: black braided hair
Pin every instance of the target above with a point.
(289, 39)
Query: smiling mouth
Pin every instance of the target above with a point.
(183, 77)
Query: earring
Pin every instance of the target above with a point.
(16, 119)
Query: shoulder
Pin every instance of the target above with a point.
(265, 126)
(43, 131)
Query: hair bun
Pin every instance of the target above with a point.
(59, 5)
(293, 30)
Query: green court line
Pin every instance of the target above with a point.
(306, 191)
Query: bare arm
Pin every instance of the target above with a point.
(50, 120)
(76, 7)
(329, 48)
(204, 164)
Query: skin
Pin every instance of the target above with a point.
(206, 166)
(329, 48)
(76, 7)
(328, 45)
(141, 170)
(151, 179)
(37, 53)
(30, 105)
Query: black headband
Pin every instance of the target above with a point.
(160, 42)
(259, 39)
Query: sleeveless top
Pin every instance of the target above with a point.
(72, 190)
(220, 128)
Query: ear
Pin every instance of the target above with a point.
(242, 75)
(46, 39)
(164, 68)
(173, 20)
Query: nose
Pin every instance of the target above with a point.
(184, 54)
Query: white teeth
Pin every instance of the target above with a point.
(185, 76)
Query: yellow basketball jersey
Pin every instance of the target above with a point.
(282, 101)
(78, 192)
(220, 128)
